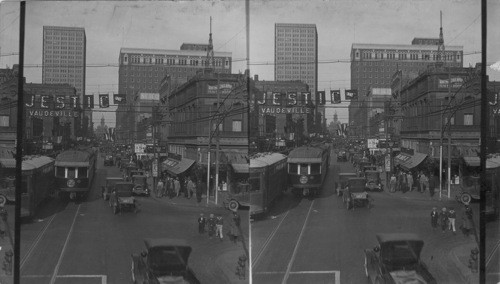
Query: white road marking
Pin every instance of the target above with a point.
(492, 253)
(289, 267)
(266, 243)
(56, 269)
(35, 242)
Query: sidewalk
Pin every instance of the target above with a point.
(460, 254)
(5, 246)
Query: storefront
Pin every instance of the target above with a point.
(409, 162)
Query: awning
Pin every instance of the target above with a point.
(176, 167)
(409, 162)
(240, 168)
(472, 161)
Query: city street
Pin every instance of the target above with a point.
(319, 241)
(86, 243)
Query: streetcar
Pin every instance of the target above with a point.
(74, 172)
(36, 182)
(307, 168)
(267, 179)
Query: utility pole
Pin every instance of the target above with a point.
(217, 142)
(208, 153)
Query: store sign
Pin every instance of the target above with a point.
(284, 110)
(372, 143)
(52, 106)
(456, 82)
(224, 88)
(139, 148)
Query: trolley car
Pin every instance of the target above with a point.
(36, 182)
(267, 179)
(74, 172)
(307, 168)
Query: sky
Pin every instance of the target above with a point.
(167, 24)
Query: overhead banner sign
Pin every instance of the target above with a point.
(351, 95)
(284, 110)
(103, 101)
(119, 98)
(52, 106)
(335, 97)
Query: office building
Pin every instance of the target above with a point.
(64, 62)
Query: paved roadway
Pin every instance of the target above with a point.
(319, 241)
(85, 242)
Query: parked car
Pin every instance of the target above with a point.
(141, 187)
(396, 259)
(342, 184)
(107, 188)
(354, 194)
(163, 261)
(121, 198)
(108, 160)
(373, 181)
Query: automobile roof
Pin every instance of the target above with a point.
(396, 237)
(165, 242)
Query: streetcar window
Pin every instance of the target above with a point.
(292, 168)
(315, 169)
(304, 169)
(82, 172)
(24, 185)
(60, 172)
(71, 173)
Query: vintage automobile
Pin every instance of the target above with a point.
(129, 169)
(342, 183)
(397, 260)
(373, 181)
(354, 194)
(369, 167)
(108, 187)
(108, 160)
(121, 198)
(141, 187)
(342, 156)
(164, 261)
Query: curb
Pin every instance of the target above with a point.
(463, 251)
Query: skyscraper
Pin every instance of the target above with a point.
(296, 59)
(64, 61)
(296, 54)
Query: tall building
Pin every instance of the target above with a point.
(373, 65)
(64, 62)
(142, 71)
(296, 56)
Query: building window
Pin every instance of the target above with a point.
(236, 125)
(468, 119)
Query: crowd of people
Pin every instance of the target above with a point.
(405, 181)
(446, 220)
(214, 225)
(170, 186)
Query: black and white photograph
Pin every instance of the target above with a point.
(249, 141)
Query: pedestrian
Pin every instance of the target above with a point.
(219, 222)
(452, 215)
(201, 224)
(424, 183)
(434, 218)
(467, 221)
(234, 226)
(392, 183)
(432, 184)
(404, 182)
(199, 192)
(190, 188)
(177, 186)
(211, 225)
(409, 178)
(443, 216)
(159, 189)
